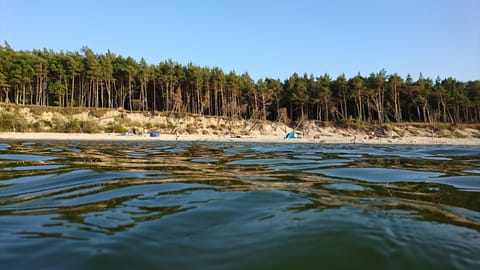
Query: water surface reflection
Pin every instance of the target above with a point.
(211, 205)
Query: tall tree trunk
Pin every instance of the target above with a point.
(154, 95)
(72, 91)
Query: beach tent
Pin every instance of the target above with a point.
(291, 135)
(154, 134)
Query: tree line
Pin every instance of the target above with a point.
(87, 79)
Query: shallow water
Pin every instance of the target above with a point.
(199, 205)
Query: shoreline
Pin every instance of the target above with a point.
(325, 139)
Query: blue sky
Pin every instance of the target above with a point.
(264, 38)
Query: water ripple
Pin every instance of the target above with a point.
(124, 205)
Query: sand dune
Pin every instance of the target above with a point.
(174, 127)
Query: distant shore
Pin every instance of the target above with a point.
(31, 124)
(327, 139)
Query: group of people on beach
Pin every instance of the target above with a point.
(136, 132)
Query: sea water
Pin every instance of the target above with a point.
(231, 205)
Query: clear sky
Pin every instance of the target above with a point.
(269, 38)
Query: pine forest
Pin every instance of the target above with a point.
(87, 79)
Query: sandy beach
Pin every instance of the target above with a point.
(326, 139)
(217, 129)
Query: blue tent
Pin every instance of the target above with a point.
(154, 134)
(291, 135)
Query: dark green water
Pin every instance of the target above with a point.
(168, 205)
